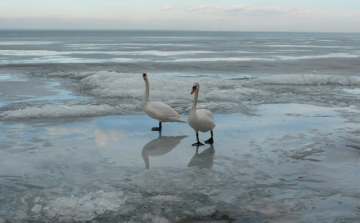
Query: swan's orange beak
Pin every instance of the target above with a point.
(144, 76)
(193, 90)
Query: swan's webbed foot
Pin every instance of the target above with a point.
(197, 144)
(209, 141)
(157, 128)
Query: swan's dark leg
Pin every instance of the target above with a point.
(211, 140)
(198, 143)
(157, 128)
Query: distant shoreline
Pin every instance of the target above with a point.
(162, 30)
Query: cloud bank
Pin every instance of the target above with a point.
(212, 17)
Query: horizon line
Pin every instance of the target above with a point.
(174, 30)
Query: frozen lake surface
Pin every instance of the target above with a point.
(75, 145)
(287, 163)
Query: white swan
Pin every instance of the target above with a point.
(158, 110)
(200, 119)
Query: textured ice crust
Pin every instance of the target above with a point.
(56, 111)
(84, 208)
(147, 198)
(192, 195)
(307, 79)
(122, 93)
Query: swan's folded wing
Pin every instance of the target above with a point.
(163, 112)
(205, 119)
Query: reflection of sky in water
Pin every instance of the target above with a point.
(121, 138)
(279, 130)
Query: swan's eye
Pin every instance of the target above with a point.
(194, 87)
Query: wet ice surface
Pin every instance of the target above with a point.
(75, 145)
(285, 162)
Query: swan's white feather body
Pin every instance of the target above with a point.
(161, 112)
(201, 120)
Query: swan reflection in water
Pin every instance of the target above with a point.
(159, 147)
(203, 160)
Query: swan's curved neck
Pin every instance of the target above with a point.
(146, 96)
(196, 95)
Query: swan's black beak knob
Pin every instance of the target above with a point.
(193, 90)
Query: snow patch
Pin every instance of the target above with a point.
(56, 111)
(205, 211)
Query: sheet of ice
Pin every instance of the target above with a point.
(288, 162)
(75, 144)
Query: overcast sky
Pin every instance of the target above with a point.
(216, 15)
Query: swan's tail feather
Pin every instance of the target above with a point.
(174, 119)
(182, 120)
